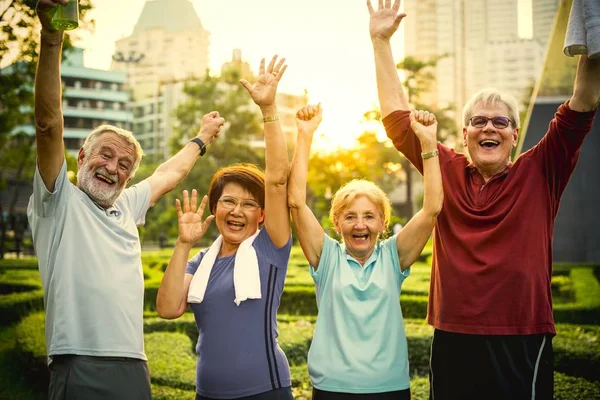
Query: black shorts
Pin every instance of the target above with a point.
(491, 367)
(276, 394)
(74, 377)
(396, 395)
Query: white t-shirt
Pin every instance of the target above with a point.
(90, 264)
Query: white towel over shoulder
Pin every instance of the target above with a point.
(246, 275)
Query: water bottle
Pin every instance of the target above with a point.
(66, 16)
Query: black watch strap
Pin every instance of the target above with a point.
(201, 144)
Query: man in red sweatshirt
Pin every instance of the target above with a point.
(490, 300)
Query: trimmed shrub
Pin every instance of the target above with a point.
(171, 360)
(169, 393)
(20, 263)
(586, 308)
(298, 300)
(15, 305)
(295, 339)
(572, 388)
(31, 347)
(577, 351)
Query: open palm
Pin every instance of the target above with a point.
(385, 21)
(263, 91)
(191, 226)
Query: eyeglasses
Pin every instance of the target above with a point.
(230, 203)
(479, 121)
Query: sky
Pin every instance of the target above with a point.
(326, 44)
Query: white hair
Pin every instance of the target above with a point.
(491, 97)
(92, 138)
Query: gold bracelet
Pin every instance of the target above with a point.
(271, 118)
(434, 153)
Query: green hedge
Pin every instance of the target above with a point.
(577, 351)
(21, 263)
(15, 305)
(31, 347)
(171, 360)
(586, 308)
(572, 388)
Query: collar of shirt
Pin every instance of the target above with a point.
(476, 174)
(371, 260)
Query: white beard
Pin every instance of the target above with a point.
(103, 195)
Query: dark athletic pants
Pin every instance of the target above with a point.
(397, 395)
(277, 394)
(475, 367)
(75, 377)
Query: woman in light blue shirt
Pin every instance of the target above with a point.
(359, 345)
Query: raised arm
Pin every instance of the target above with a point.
(586, 89)
(48, 97)
(414, 236)
(309, 231)
(382, 25)
(171, 300)
(168, 175)
(263, 92)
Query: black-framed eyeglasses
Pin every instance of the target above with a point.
(479, 121)
(230, 203)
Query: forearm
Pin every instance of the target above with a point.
(299, 172)
(389, 88)
(171, 299)
(176, 168)
(48, 87)
(276, 156)
(586, 90)
(433, 192)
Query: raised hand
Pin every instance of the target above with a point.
(385, 21)
(308, 118)
(424, 124)
(191, 227)
(263, 91)
(212, 123)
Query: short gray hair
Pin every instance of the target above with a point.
(491, 97)
(92, 138)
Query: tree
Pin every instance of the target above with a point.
(225, 95)
(19, 33)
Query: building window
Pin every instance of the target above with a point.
(77, 85)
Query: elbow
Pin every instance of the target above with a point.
(167, 311)
(434, 208)
(48, 126)
(295, 201)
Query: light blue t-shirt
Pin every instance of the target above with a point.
(359, 345)
(91, 269)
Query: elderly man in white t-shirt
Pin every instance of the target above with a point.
(87, 242)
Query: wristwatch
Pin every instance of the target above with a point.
(201, 144)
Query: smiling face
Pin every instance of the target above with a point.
(106, 170)
(360, 225)
(490, 147)
(236, 224)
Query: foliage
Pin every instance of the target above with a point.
(225, 95)
(170, 343)
(586, 307)
(13, 306)
(19, 35)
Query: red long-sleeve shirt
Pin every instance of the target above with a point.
(492, 261)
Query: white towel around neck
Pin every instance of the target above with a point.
(246, 276)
